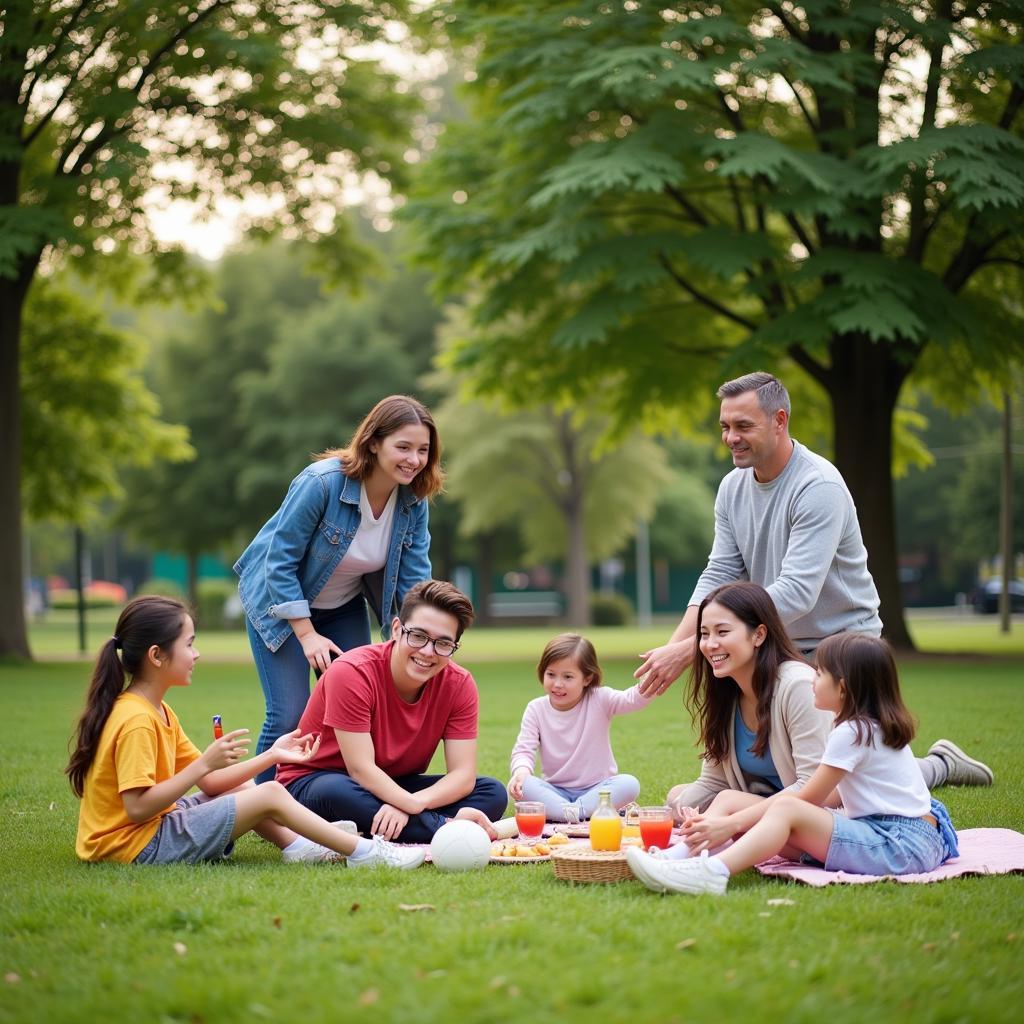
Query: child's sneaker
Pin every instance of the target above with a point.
(389, 855)
(346, 826)
(693, 875)
(311, 853)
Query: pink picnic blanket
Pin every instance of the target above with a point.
(983, 851)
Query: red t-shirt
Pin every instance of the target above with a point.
(357, 694)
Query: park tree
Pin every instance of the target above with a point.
(647, 198)
(550, 471)
(109, 108)
(263, 386)
(86, 410)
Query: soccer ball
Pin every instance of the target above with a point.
(460, 846)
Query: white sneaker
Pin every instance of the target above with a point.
(693, 875)
(313, 853)
(390, 855)
(317, 853)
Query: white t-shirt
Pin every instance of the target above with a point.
(880, 780)
(367, 553)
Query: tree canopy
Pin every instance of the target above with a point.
(646, 199)
(551, 472)
(109, 108)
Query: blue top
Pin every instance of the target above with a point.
(300, 546)
(750, 764)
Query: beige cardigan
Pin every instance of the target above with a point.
(796, 743)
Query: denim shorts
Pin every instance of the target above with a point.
(884, 844)
(199, 828)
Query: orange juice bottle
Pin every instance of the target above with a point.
(605, 824)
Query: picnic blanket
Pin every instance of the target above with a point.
(983, 851)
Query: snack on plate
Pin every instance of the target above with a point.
(512, 848)
(558, 839)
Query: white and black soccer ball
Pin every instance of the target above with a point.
(460, 846)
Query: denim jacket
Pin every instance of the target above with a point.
(300, 546)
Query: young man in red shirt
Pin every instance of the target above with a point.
(381, 711)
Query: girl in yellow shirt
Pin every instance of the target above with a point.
(133, 765)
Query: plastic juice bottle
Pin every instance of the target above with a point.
(605, 824)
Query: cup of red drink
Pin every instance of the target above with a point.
(655, 827)
(530, 818)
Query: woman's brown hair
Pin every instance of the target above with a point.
(576, 647)
(865, 668)
(711, 701)
(387, 416)
(143, 623)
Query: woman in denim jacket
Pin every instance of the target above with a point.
(351, 530)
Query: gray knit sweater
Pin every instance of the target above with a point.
(797, 536)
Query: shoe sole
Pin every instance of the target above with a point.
(952, 750)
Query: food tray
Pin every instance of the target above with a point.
(519, 860)
(579, 863)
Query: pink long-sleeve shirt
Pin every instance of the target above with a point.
(575, 748)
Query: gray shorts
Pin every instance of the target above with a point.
(199, 828)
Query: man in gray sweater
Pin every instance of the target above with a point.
(785, 519)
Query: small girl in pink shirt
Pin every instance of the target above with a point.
(570, 725)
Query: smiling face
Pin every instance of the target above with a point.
(729, 644)
(564, 683)
(411, 668)
(177, 663)
(757, 440)
(401, 455)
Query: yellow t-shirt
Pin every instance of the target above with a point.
(137, 748)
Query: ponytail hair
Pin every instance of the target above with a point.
(145, 622)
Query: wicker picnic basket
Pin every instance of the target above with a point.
(579, 863)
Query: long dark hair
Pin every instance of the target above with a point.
(384, 419)
(143, 623)
(711, 701)
(871, 687)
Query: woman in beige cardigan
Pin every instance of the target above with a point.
(751, 698)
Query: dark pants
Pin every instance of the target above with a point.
(337, 796)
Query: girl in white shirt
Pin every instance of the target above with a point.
(889, 825)
(570, 725)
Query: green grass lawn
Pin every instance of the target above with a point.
(56, 636)
(255, 940)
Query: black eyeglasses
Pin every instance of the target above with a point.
(417, 640)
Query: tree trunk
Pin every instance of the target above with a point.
(864, 384)
(485, 543)
(577, 571)
(192, 579)
(13, 634)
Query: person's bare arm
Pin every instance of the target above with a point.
(662, 666)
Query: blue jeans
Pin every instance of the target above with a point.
(284, 673)
(336, 796)
(625, 789)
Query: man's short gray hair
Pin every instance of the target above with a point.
(771, 392)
